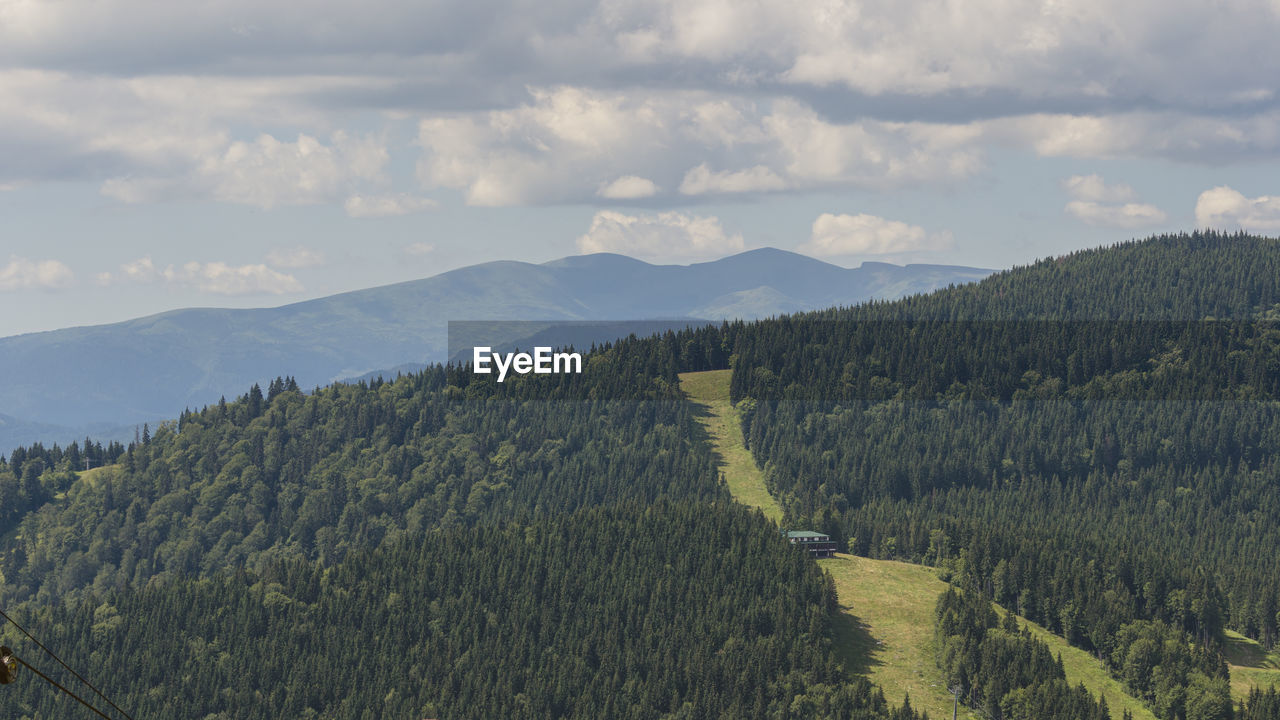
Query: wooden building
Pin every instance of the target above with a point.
(818, 545)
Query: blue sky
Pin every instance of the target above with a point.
(236, 153)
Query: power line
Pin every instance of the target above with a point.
(68, 668)
(54, 683)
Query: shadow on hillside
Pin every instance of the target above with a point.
(1247, 653)
(702, 413)
(854, 644)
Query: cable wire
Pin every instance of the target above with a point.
(68, 668)
(54, 683)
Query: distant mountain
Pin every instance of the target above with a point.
(150, 368)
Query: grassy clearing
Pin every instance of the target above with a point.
(887, 635)
(91, 476)
(885, 631)
(1250, 665)
(710, 392)
(1084, 668)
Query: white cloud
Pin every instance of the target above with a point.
(862, 234)
(571, 144)
(160, 98)
(223, 279)
(929, 48)
(366, 206)
(628, 187)
(871, 155)
(565, 144)
(1098, 203)
(701, 180)
(664, 236)
(298, 256)
(1078, 49)
(266, 173)
(24, 274)
(1197, 137)
(418, 249)
(1126, 216)
(1226, 208)
(140, 270)
(213, 277)
(1092, 188)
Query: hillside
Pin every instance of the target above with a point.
(598, 613)
(439, 545)
(1109, 479)
(887, 608)
(95, 379)
(709, 392)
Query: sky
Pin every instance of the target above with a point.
(157, 155)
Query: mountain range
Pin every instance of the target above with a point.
(104, 380)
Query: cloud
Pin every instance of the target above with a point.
(1086, 50)
(664, 236)
(628, 187)
(238, 101)
(140, 270)
(298, 256)
(1226, 208)
(265, 173)
(223, 279)
(418, 249)
(1126, 216)
(574, 145)
(1194, 136)
(701, 180)
(1092, 188)
(367, 206)
(218, 278)
(24, 274)
(1098, 203)
(862, 234)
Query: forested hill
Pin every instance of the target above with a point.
(435, 546)
(1170, 277)
(603, 613)
(1072, 439)
(286, 475)
(1093, 441)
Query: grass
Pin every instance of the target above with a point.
(885, 628)
(1083, 667)
(885, 631)
(710, 393)
(91, 476)
(1251, 666)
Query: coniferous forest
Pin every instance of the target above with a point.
(1091, 441)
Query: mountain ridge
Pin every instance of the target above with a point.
(150, 368)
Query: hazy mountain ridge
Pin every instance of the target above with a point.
(150, 368)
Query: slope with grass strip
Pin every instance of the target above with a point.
(1251, 666)
(710, 393)
(885, 629)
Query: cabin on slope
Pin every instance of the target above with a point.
(818, 545)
